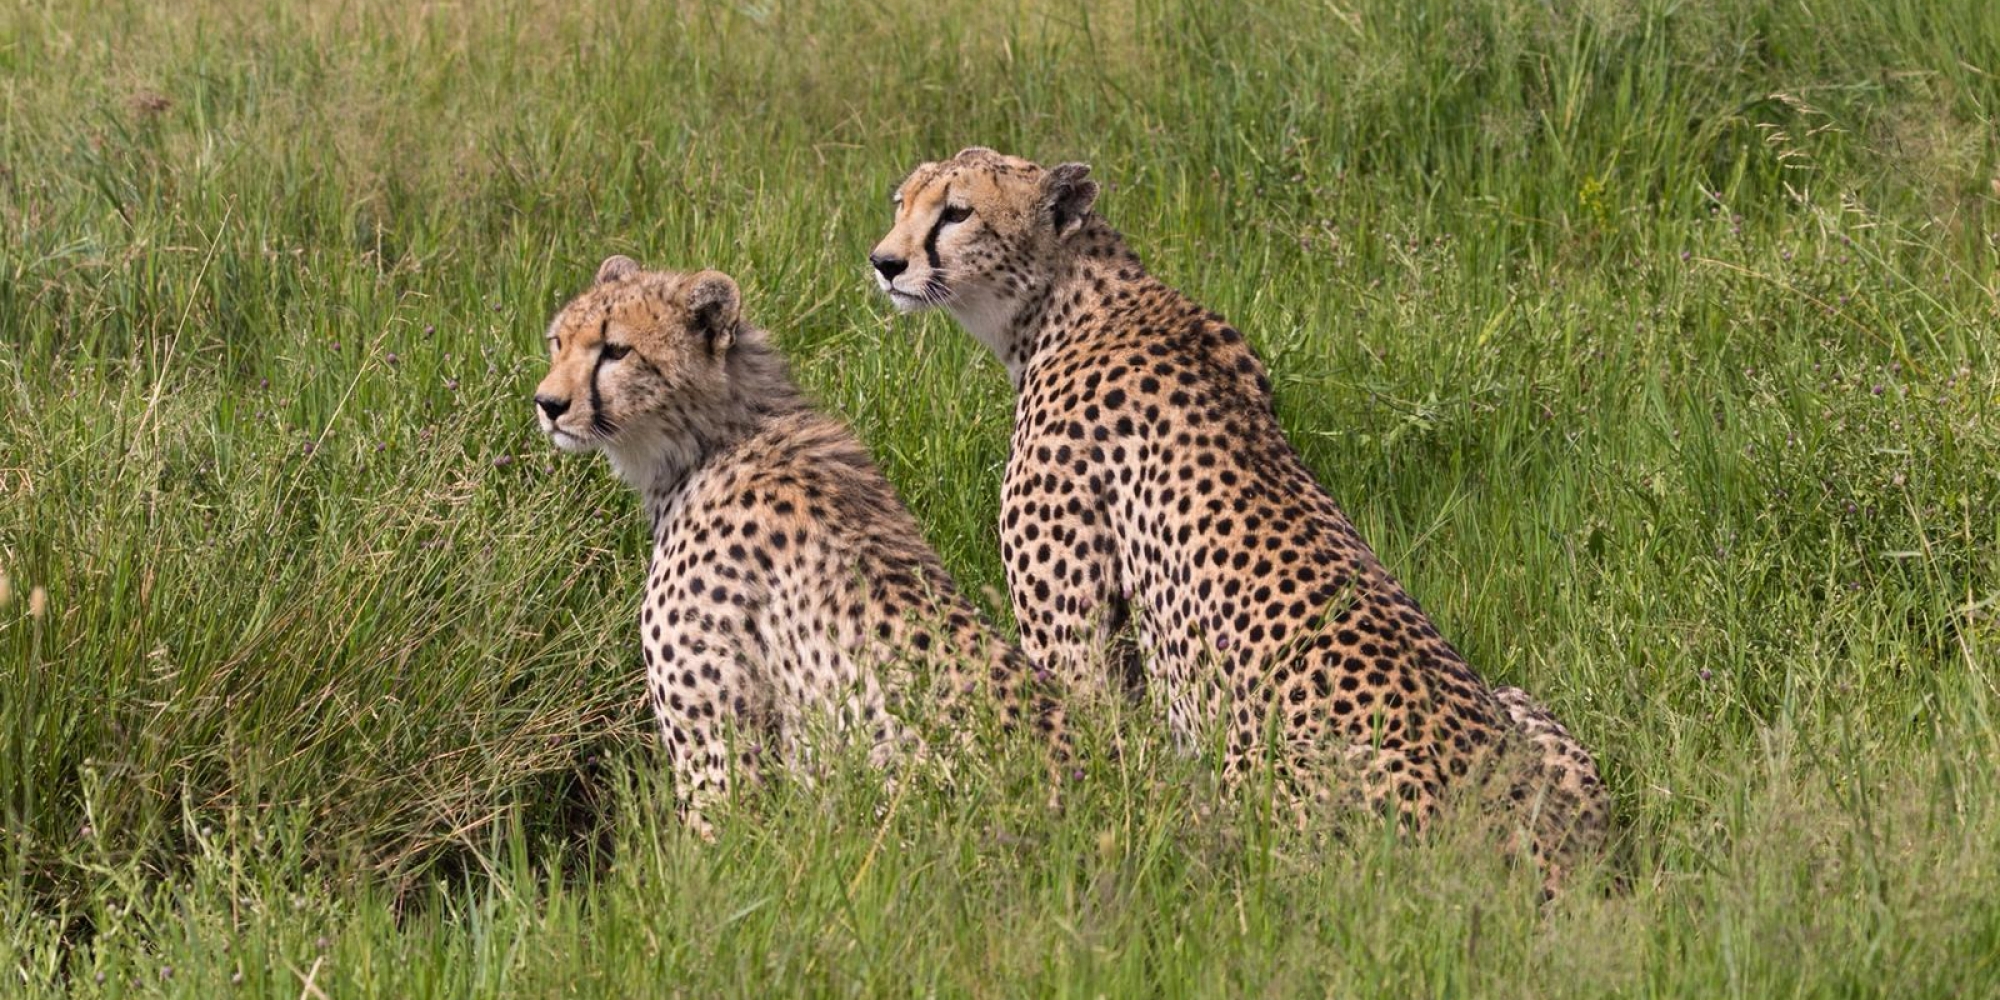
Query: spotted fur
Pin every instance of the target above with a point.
(1150, 492)
(788, 586)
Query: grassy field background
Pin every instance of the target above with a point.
(1653, 342)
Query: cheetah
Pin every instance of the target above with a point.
(788, 585)
(1159, 530)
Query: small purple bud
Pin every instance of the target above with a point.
(503, 461)
(1685, 255)
(308, 447)
(392, 358)
(1222, 642)
(1076, 775)
(1706, 673)
(1877, 390)
(452, 384)
(336, 346)
(429, 329)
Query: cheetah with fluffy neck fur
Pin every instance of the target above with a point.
(788, 584)
(1151, 493)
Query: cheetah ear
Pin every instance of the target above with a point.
(616, 267)
(974, 151)
(1067, 194)
(713, 305)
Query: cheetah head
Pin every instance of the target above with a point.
(977, 233)
(638, 361)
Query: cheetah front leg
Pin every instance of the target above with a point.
(1063, 580)
(710, 709)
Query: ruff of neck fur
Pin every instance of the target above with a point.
(657, 455)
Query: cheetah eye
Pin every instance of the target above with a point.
(955, 214)
(613, 352)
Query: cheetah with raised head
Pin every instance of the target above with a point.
(788, 586)
(1150, 493)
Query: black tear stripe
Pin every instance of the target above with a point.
(930, 243)
(931, 238)
(598, 422)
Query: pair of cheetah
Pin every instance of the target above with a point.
(1159, 532)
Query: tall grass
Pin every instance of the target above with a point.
(1652, 343)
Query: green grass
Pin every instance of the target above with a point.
(1652, 343)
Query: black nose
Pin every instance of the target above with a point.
(888, 267)
(552, 406)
